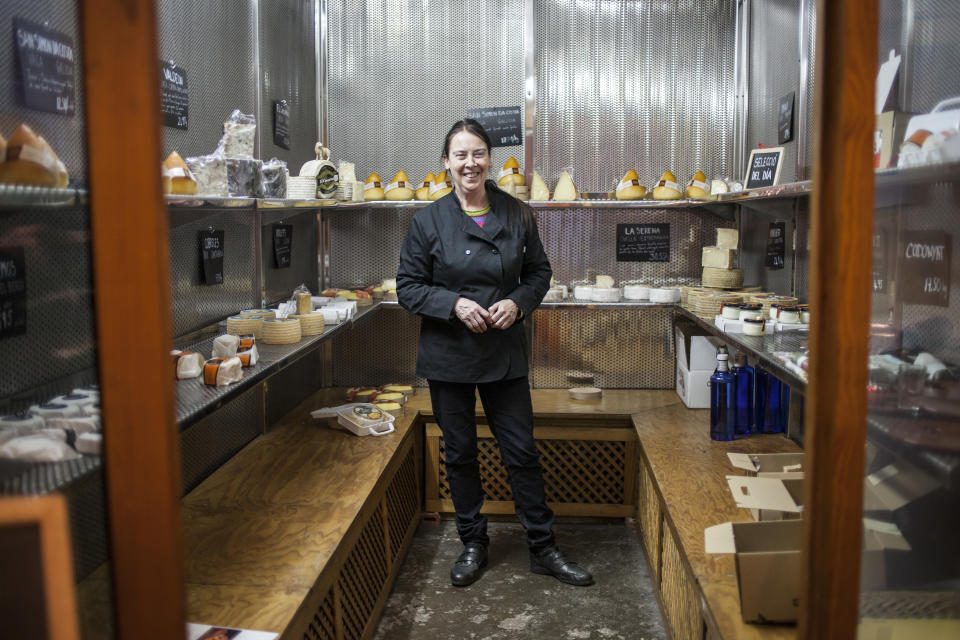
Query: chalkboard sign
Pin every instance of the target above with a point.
(211, 256)
(13, 292)
(503, 124)
(281, 124)
(282, 244)
(763, 169)
(643, 242)
(46, 67)
(785, 119)
(174, 96)
(776, 245)
(925, 275)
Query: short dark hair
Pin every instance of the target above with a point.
(467, 124)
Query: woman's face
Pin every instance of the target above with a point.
(468, 162)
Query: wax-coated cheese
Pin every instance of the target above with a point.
(565, 190)
(667, 188)
(718, 258)
(399, 188)
(373, 188)
(538, 190)
(630, 187)
(441, 187)
(510, 173)
(728, 238)
(423, 191)
(698, 187)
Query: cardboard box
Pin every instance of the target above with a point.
(696, 348)
(886, 561)
(765, 464)
(693, 387)
(767, 556)
(888, 135)
(768, 498)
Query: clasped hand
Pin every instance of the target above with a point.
(501, 315)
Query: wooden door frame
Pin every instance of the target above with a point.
(128, 220)
(841, 252)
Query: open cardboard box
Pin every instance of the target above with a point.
(788, 465)
(767, 556)
(886, 561)
(696, 348)
(768, 498)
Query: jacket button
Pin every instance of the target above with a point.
(467, 251)
(495, 252)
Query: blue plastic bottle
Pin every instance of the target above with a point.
(743, 375)
(768, 402)
(723, 400)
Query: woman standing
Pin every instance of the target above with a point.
(472, 267)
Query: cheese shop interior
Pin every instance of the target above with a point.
(631, 128)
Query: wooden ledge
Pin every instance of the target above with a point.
(689, 472)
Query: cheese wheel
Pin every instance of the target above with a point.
(636, 292)
(510, 174)
(441, 187)
(667, 188)
(585, 393)
(665, 294)
(405, 389)
(423, 191)
(583, 291)
(630, 187)
(565, 190)
(605, 294)
(392, 396)
(698, 187)
(30, 161)
(538, 188)
(181, 179)
(399, 188)
(373, 189)
(719, 186)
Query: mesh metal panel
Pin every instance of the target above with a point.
(810, 46)
(754, 231)
(60, 340)
(207, 444)
(66, 134)
(365, 244)
(380, 350)
(278, 284)
(801, 275)
(86, 501)
(288, 70)
(933, 59)
(639, 85)
(196, 305)
(212, 41)
(774, 72)
(625, 348)
(401, 72)
(580, 239)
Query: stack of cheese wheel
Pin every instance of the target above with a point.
(694, 294)
(406, 389)
(263, 313)
(311, 324)
(769, 299)
(722, 278)
(242, 324)
(280, 331)
(709, 305)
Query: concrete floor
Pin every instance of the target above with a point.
(511, 602)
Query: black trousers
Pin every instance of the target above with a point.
(510, 417)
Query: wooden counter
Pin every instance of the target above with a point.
(687, 472)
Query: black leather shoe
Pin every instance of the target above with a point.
(466, 570)
(550, 562)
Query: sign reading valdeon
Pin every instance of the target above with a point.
(45, 61)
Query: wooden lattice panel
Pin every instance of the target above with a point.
(575, 471)
(363, 576)
(678, 594)
(402, 502)
(651, 520)
(323, 626)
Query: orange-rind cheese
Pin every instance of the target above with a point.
(441, 187)
(510, 174)
(373, 188)
(423, 191)
(399, 188)
(667, 188)
(630, 187)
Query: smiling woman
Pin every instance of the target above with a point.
(473, 267)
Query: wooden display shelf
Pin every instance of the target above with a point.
(683, 490)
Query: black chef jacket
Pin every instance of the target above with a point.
(445, 255)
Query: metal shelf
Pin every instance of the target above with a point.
(763, 348)
(15, 196)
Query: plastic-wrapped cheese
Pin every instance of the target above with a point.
(373, 189)
(667, 188)
(510, 174)
(248, 356)
(728, 238)
(399, 188)
(90, 444)
(219, 372)
(423, 191)
(181, 179)
(718, 258)
(187, 364)
(565, 190)
(77, 424)
(225, 346)
(538, 188)
(56, 410)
